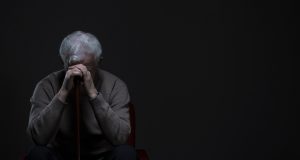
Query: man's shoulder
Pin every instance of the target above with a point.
(53, 78)
(104, 74)
(111, 85)
(108, 77)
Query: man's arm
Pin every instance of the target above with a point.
(113, 118)
(47, 108)
(46, 112)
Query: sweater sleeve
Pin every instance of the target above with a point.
(46, 112)
(113, 117)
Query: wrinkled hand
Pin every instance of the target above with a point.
(73, 71)
(87, 80)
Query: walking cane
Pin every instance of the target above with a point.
(77, 103)
(72, 61)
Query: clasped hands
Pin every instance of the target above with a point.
(68, 83)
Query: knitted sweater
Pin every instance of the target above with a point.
(104, 120)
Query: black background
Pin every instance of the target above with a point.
(213, 80)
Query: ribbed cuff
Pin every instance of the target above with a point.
(100, 105)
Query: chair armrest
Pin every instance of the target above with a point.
(142, 154)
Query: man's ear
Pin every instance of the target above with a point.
(100, 61)
(62, 62)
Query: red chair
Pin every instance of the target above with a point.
(142, 154)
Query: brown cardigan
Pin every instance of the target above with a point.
(104, 120)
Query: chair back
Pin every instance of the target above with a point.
(131, 138)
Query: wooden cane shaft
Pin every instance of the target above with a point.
(77, 105)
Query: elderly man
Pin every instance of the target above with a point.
(104, 116)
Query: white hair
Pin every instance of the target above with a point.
(79, 43)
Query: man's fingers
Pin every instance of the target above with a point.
(81, 70)
(89, 75)
(74, 72)
(81, 67)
